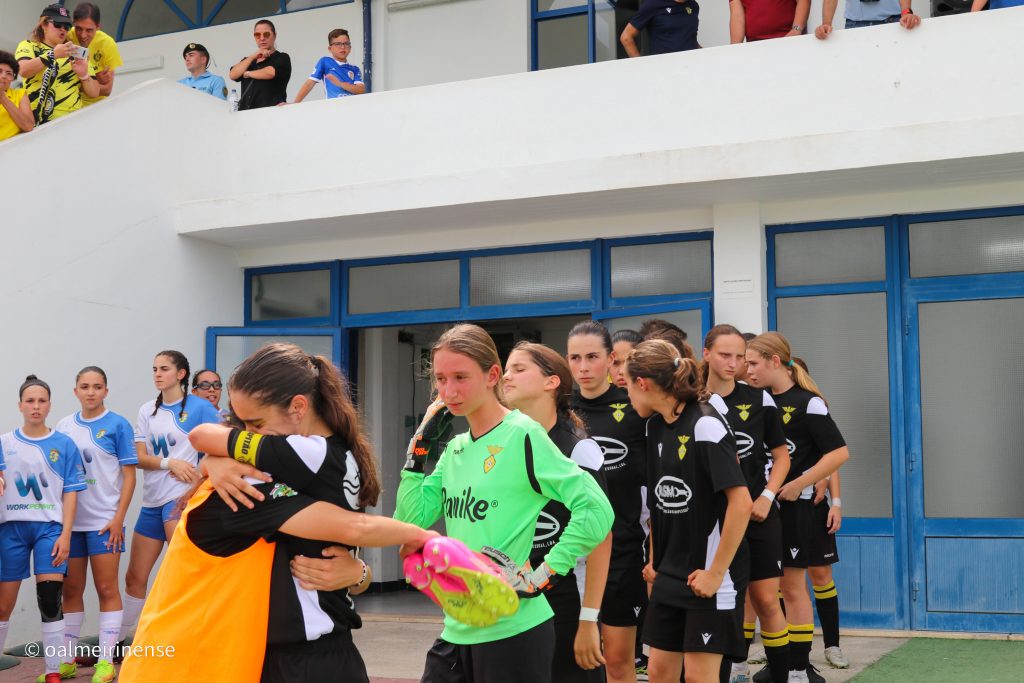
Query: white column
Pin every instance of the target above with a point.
(739, 254)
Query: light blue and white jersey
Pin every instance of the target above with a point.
(106, 443)
(38, 473)
(343, 71)
(166, 436)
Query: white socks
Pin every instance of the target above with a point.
(3, 634)
(110, 630)
(72, 629)
(53, 640)
(132, 610)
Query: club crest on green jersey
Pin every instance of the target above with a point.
(788, 414)
(618, 413)
(490, 462)
(743, 411)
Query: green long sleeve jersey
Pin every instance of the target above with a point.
(490, 490)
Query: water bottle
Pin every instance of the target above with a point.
(233, 100)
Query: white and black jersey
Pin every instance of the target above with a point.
(810, 431)
(754, 418)
(304, 468)
(565, 596)
(691, 462)
(619, 431)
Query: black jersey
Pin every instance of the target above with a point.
(690, 464)
(615, 426)
(319, 468)
(755, 422)
(810, 431)
(564, 597)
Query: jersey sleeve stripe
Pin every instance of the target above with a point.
(709, 429)
(312, 450)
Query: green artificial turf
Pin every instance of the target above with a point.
(933, 659)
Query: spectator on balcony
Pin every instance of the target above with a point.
(762, 19)
(54, 77)
(671, 26)
(861, 13)
(340, 78)
(197, 59)
(265, 73)
(103, 54)
(15, 114)
(995, 4)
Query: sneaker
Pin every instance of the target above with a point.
(764, 675)
(66, 671)
(836, 658)
(104, 673)
(740, 673)
(86, 661)
(813, 676)
(467, 586)
(641, 670)
(757, 656)
(797, 677)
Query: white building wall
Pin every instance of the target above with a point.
(93, 272)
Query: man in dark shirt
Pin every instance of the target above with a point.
(671, 26)
(265, 73)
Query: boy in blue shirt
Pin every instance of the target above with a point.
(339, 77)
(196, 61)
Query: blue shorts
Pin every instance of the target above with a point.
(19, 539)
(89, 543)
(151, 521)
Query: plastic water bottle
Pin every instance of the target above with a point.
(233, 100)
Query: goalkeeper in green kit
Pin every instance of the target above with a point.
(490, 484)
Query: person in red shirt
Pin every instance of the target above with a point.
(763, 19)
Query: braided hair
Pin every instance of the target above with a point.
(180, 363)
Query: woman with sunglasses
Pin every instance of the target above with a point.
(207, 384)
(265, 73)
(54, 77)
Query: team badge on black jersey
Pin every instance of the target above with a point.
(743, 411)
(682, 446)
(788, 414)
(282, 491)
(619, 413)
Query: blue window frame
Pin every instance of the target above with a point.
(334, 267)
(195, 14)
(590, 9)
(339, 341)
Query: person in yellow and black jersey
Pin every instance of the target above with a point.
(700, 506)
(55, 78)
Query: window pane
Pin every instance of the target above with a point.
(530, 278)
(148, 19)
(238, 10)
(606, 37)
(972, 390)
(843, 340)
(562, 42)
(690, 322)
(979, 245)
(300, 294)
(403, 287)
(830, 256)
(667, 268)
(232, 350)
(545, 5)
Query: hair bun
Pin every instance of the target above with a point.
(30, 378)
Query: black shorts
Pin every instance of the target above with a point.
(332, 657)
(523, 658)
(823, 544)
(765, 542)
(564, 667)
(625, 596)
(676, 629)
(796, 532)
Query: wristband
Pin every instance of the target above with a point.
(589, 614)
(907, 11)
(366, 573)
(837, 502)
(165, 463)
(766, 493)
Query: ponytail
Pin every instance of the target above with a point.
(772, 344)
(660, 362)
(709, 341)
(552, 364)
(180, 362)
(278, 372)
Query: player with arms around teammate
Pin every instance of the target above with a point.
(170, 463)
(490, 484)
(700, 507)
(107, 444)
(44, 469)
(612, 422)
(817, 450)
(538, 383)
(764, 459)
